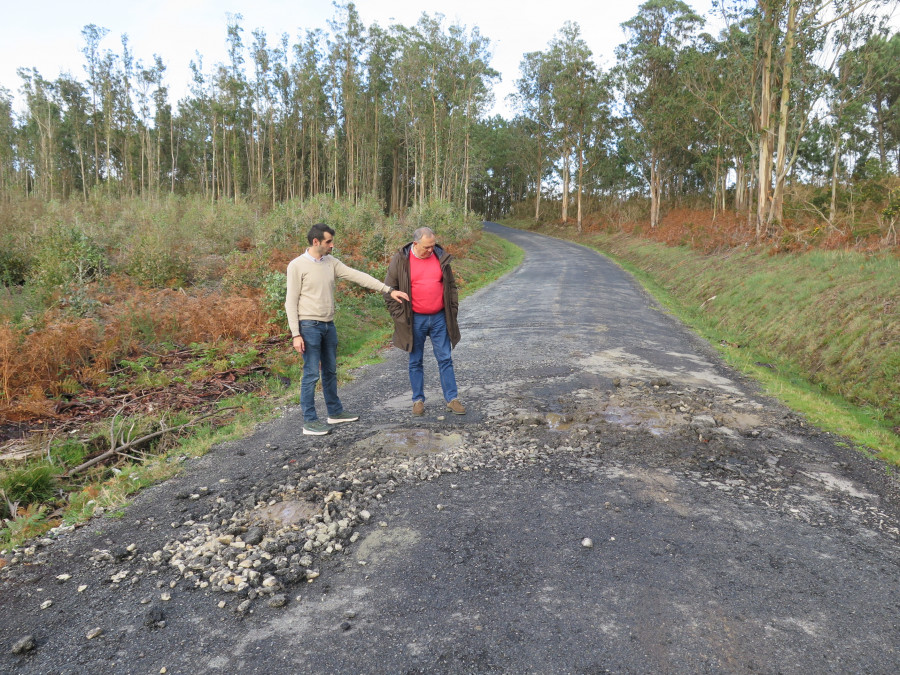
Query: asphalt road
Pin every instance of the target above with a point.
(726, 535)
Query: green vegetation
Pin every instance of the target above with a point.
(820, 330)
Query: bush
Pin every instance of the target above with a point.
(274, 289)
(14, 264)
(66, 256)
(158, 265)
(448, 221)
(27, 485)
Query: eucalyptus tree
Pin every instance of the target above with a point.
(653, 95)
(441, 85)
(858, 72)
(314, 111)
(8, 144)
(163, 123)
(198, 133)
(285, 139)
(345, 65)
(125, 114)
(74, 99)
(93, 35)
(44, 119)
(880, 71)
(383, 157)
(473, 96)
(229, 106)
(532, 100)
(579, 106)
(796, 46)
(500, 155)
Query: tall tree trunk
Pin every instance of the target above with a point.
(537, 181)
(716, 182)
(776, 208)
(579, 188)
(835, 164)
(655, 189)
(764, 172)
(740, 180)
(395, 181)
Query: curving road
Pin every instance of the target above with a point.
(616, 500)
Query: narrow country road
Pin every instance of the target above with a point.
(615, 500)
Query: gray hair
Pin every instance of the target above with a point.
(422, 232)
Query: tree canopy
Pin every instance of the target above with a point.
(789, 92)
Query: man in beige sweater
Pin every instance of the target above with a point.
(310, 308)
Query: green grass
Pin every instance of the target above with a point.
(828, 322)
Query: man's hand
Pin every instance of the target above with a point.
(399, 295)
(299, 346)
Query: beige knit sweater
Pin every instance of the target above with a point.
(310, 288)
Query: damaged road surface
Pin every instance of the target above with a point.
(615, 500)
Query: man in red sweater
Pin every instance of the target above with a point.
(421, 269)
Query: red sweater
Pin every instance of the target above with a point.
(426, 284)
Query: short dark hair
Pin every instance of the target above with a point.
(318, 231)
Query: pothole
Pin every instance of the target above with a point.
(286, 513)
(654, 421)
(558, 422)
(411, 441)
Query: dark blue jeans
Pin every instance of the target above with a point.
(435, 326)
(321, 342)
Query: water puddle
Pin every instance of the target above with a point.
(286, 513)
(637, 418)
(411, 441)
(558, 422)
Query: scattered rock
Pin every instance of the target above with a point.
(25, 645)
(254, 536)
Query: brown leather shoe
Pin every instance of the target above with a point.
(456, 407)
(419, 408)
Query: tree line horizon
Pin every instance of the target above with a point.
(789, 93)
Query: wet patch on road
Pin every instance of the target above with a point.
(685, 369)
(410, 442)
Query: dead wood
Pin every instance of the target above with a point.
(121, 449)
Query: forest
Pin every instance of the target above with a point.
(790, 113)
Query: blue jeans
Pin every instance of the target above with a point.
(434, 325)
(321, 342)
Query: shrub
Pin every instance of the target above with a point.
(14, 264)
(447, 221)
(66, 256)
(28, 485)
(158, 266)
(274, 289)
